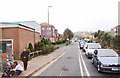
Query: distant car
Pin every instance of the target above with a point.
(87, 40)
(79, 41)
(90, 48)
(75, 39)
(81, 44)
(106, 60)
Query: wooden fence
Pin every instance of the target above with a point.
(33, 54)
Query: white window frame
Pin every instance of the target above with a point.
(43, 28)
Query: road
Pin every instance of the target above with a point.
(72, 63)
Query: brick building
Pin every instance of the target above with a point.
(22, 33)
(48, 32)
(116, 30)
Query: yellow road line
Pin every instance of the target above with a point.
(43, 69)
(61, 73)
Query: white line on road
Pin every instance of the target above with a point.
(81, 69)
(84, 65)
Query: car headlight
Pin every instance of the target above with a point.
(104, 65)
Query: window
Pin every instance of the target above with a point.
(49, 33)
(107, 53)
(43, 28)
(49, 28)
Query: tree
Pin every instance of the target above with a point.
(96, 34)
(116, 42)
(99, 34)
(106, 38)
(68, 34)
(31, 47)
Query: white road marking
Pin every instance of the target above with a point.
(84, 65)
(80, 65)
(61, 73)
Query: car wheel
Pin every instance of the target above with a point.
(83, 50)
(92, 61)
(88, 57)
(98, 68)
(3, 75)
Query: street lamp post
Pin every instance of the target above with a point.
(48, 22)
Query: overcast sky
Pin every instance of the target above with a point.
(78, 15)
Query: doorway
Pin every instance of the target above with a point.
(6, 52)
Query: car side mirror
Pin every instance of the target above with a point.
(95, 52)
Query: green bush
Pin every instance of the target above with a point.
(47, 49)
(44, 49)
(31, 47)
(59, 42)
(29, 50)
(68, 42)
(53, 43)
(40, 44)
(45, 41)
(36, 47)
(51, 47)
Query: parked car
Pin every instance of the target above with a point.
(90, 48)
(81, 44)
(79, 41)
(84, 47)
(75, 39)
(106, 60)
(87, 40)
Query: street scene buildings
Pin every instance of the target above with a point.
(22, 33)
(116, 30)
(67, 38)
(49, 32)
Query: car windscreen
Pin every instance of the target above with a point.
(107, 53)
(82, 42)
(94, 46)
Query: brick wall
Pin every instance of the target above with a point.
(12, 33)
(21, 39)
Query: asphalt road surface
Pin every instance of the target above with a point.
(72, 63)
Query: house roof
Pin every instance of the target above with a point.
(17, 22)
(45, 24)
(22, 24)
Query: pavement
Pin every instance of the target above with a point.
(40, 61)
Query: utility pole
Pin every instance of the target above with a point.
(48, 22)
